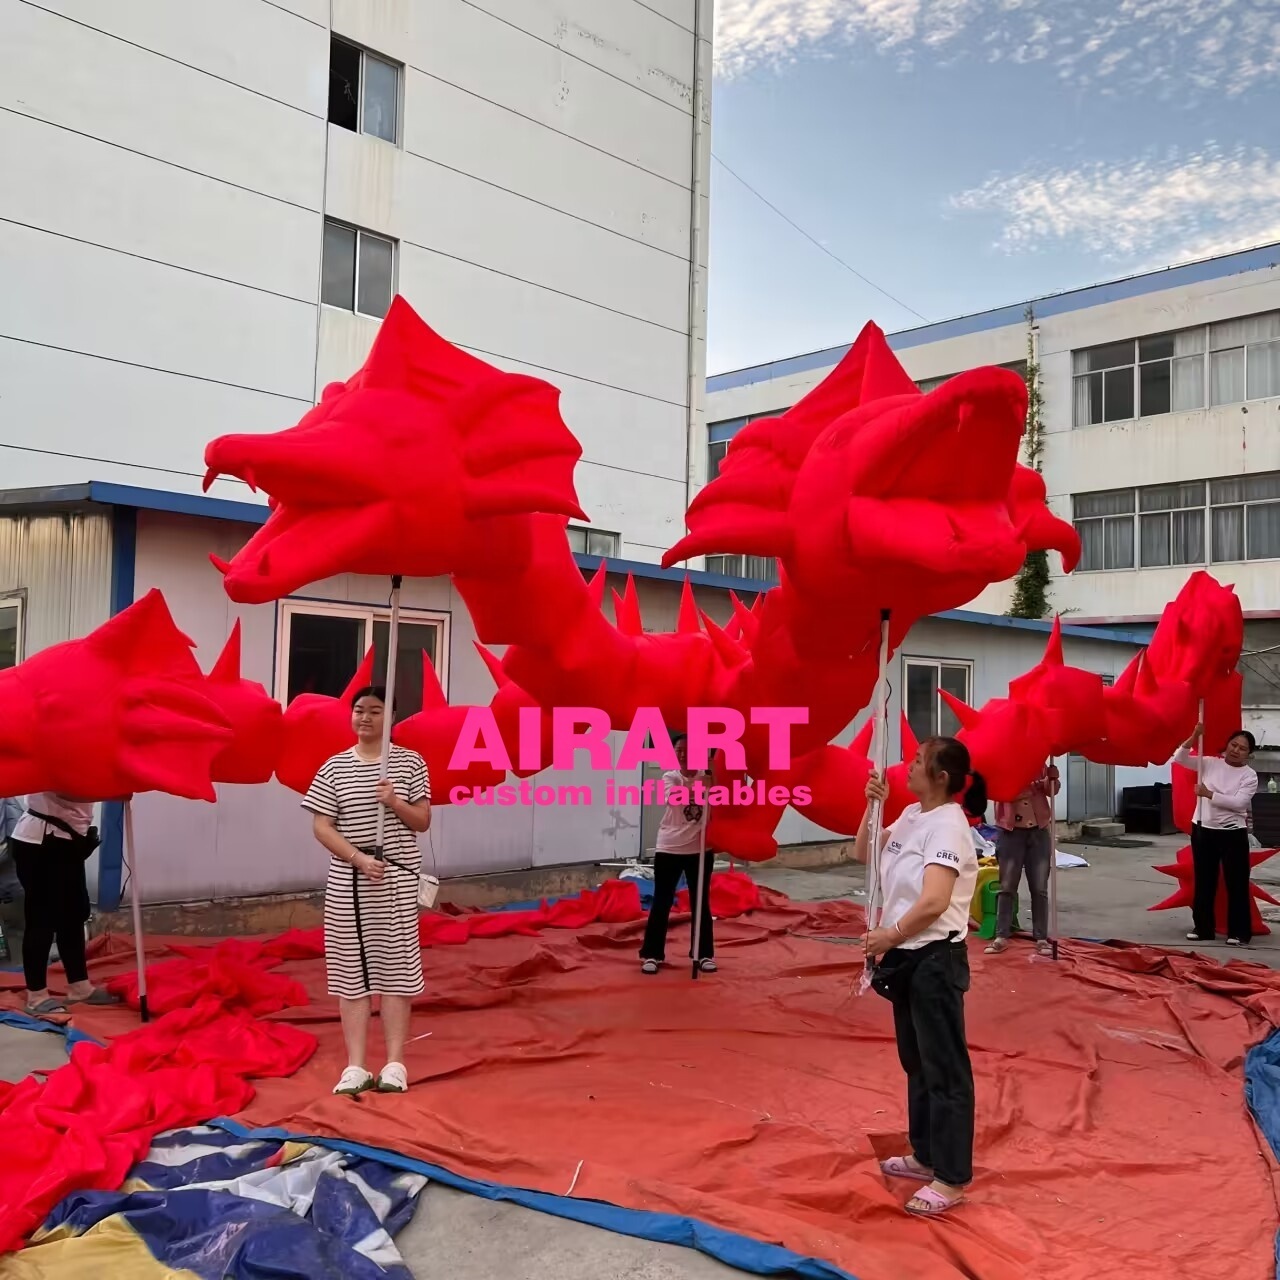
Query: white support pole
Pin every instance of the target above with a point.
(1199, 765)
(879, 765)
(704, 885)
(393, 645)
(135, 902)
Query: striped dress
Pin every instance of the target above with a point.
(371, 928)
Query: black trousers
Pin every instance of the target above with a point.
(55, 906)
(667, 870)
(1229, 850)
(928, 1020)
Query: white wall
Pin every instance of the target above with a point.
(541, 191)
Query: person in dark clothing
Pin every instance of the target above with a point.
(681, 851)
(50, 862)
(928, 870)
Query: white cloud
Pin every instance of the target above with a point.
(1170, 45)
(1183, 207)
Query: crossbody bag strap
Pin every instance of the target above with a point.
(58, 823)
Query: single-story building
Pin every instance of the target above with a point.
(72, 556)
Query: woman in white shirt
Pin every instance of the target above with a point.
(681, 839)
(928, 871)
(1220, 835)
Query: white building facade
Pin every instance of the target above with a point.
(208, 207)
(1161, 437)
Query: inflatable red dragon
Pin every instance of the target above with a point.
(871, 495)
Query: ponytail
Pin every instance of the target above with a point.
(975, 798)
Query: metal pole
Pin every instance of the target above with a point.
(393, 644)
(880, 765)
(1199, 766)
(1053, 863)
(135, 902)
(704, 887)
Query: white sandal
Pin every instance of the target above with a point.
(393, 1078)
(353, 1080)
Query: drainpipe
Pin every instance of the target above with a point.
(695, 426)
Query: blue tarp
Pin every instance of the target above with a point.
(1262, 1093)
(206, 1203)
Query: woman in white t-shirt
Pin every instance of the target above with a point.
(681, 851)
(928, 871)
(1220, 835)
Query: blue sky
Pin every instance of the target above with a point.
(964, 154)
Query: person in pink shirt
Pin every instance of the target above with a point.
(1024, 844)
(681, 839)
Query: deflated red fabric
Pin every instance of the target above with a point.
(1113, 1138)
(92, 1120)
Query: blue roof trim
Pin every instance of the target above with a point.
(1111, 635)
(183, 504)
(1053, 304)
(742, 1252)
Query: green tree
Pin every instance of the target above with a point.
(1031, 586)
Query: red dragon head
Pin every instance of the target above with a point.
(869, 490)
(422, 463)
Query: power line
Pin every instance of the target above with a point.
(818, 243)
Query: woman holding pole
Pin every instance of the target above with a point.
(681, 851)
(1225, 788)
(928, 870)
(371, 904)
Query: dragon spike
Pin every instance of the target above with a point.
(968, 717)
(595, 586)
(626, 610)
(362, 677)
(747, 619)
(220, 564)
(727, 647)
(1053, 648)
(227, 668)
(494, 663)
(1147, 685)
(433, 695)
(910, 743)
(687, 622)
(861, 743)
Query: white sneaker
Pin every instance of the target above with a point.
(1234, 942)
(353, 1080)
(393, 1078)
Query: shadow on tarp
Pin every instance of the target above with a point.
(734, 1250)
(1262, 1092)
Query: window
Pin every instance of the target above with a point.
(754, 568)
(1246, 517)
(720, 433)
(358, 271)
(1171, 526)
(927, 714)
(10, 631)
(321, 645)
(1215, 364)
(1241, 517)
(1104, 522)
(594, 542)
(1260, 664)
(364, 91)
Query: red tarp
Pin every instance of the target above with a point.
(1113, 1137)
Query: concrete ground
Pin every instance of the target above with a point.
(475, 1239)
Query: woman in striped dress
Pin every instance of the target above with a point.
(371, 906)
